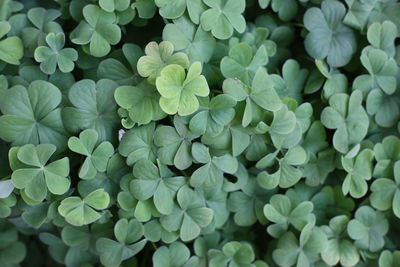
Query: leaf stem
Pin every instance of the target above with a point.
(5, 177)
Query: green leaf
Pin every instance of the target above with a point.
(38, 175)
(141, 102)
(11, 48)
(99, 31)
(385, 192)
(157, 183)
(189, 216)
(359, 170)
(174, 255)
(55, 55)
(179, 93)
(190, 39)
(283, 213)
(157, 57)
(174, 144)
(346, 115)
(93, 107)
(78, 212)
(97, 156)
(328, 37)
(382, 36)
(368, 229)
(242, 64)
(32, 115)
(223, 17)
(381, 70)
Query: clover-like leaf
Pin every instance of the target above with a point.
(6, 204)
(189, 216)
(287, 126)
(387, 152)
(247, 204)
(114, 5)
(347, 115)
(127, 233)
(108, 180)
(328, 37)
(54, 55)
(381, 69)
(141, 103)
(37, 176)
(157, 57)
(213, 115)
(291, 251)
(283, 213)
(339, 248)
(78, 212)
(359, 170)
(242, 64)
(142, 210)
(190, 39)
(137, 144)
(93, 107)
(157, 183)
(32, 115)
(388, 258)
(385, 108)
(179, 91)
(286, 9)
(174, 255)
(122, 69)
(382, 36)
(174, 144)
(154, 232)
(37, 23)
(362, 14)
(368, 229)
(386, 192)
(211, 174)
(292, 82)
(223, 16)
(97, 155)
(11, 48)
(98, 31)
(287, 174)
(258, 97)
(233, 253)
(173, 9)
(12, 251)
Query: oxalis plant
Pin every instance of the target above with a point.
(196, 133)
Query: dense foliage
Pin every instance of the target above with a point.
(168, 133)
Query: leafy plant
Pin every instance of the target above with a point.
(189, 133)
(11, 48)
(32, 115)
(347, 115)
(98, 31)
(78, 211)
(189, 216)
(157, 57)
(368, 229)
(55, 55)
(127, 233)
(330, 39)
(223, 17)
(156, 183)
(97, 156)
(179, 93)
(34, 175)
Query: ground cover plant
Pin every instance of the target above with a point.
(194, 133)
